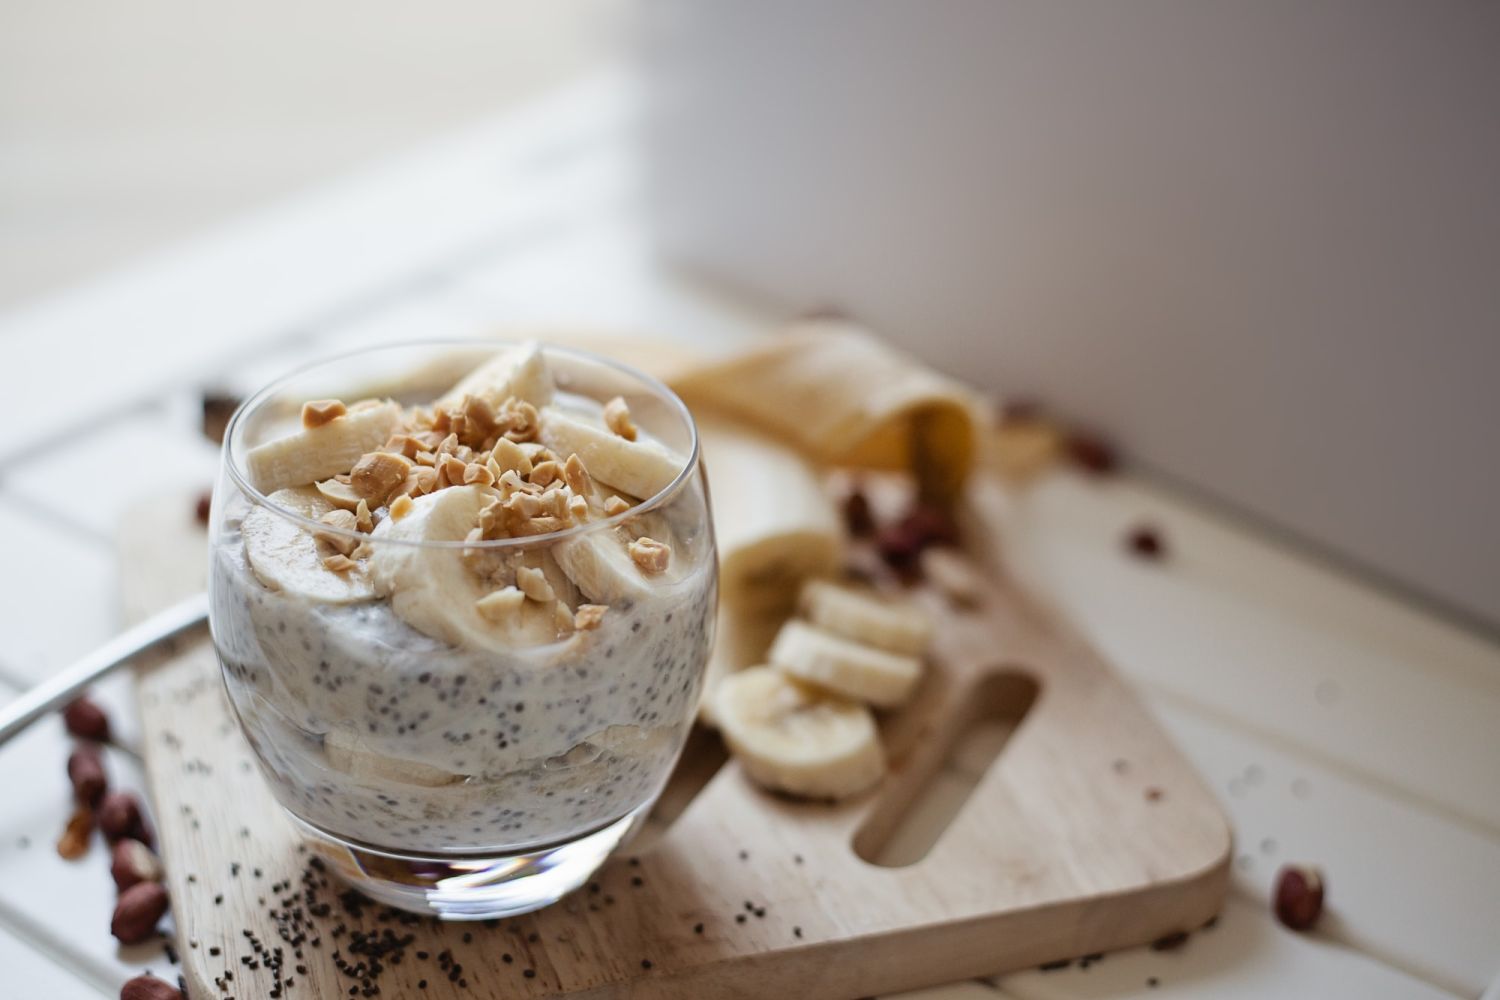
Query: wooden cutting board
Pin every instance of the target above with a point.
(1089, 832)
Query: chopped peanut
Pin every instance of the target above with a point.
(589, 616)
(378, 473)
(400, 507)
(577, 477)
(501, 605)
(578, 507)
(533, 583)
(616, 505)
(617, 418)
(520, 419)
(362, 518)
(544, 473)
(650, 555)
(476, 474)
(507, 456)
(339, 563)
(322, 411)
(340, 543)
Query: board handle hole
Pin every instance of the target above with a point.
(927, 795)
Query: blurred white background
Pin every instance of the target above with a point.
(126, 126)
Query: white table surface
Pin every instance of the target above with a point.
(1339, 726)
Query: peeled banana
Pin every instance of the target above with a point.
(315, 453)
(776, 526)
(286, 557)
(641, 468)
(794, 738)
(865, 617)
(849, 668)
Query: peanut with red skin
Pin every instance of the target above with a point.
(86, 772)
(120, 816)
(137, 912)
(86, 720)
(1299, 896)
(132, 862)
(149, 988)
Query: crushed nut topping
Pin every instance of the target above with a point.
(400, 507)
(322, 411)
(501, 605)
(451, 471)
(507, 456)
(589, 616)
(650, 555)
(404, 445)
(339, 494)
(545, 473)
(617, 418)
(533, 583)
(378, 473)
(344, 521)
(577, 476)
(578, 507)
(339, 563)
(520, 419)
(616, 505)
(363, 520)
(477, 475)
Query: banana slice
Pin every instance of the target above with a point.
(520, 371)
(793, 738)
(776, 526)
(348, 753)
(600, 565)
(741, 639)
(641, 468)
(866, 617)
(434, 590)
(285, 557)
(849, 668)
(315, 453)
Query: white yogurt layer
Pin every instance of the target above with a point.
(380, 734)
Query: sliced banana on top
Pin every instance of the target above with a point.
(315, 453)
(775, 523)
(434, 590)
(520, 371)
(641, 468)
(849, 668)
(599, 563)
(866, 617)
(794, 738)
(285, 556)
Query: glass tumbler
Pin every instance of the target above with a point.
(442, 762)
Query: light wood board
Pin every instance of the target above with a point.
(1090, 832)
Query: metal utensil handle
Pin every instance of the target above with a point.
(65, 685)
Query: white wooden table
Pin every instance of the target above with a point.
(1340, 726)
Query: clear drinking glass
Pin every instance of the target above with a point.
(467, 779)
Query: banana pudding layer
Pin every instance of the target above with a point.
(464, 627)
(381, 734)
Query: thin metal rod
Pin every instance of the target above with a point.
(65, 685)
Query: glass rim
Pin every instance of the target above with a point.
(262, 395)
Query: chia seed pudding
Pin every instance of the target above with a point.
(502, 653)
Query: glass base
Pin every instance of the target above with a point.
(472, 887)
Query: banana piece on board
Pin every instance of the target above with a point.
(346, 752)
(434, 590)
(315, 453)
(519, 371)
(794, 738)
(741, 639)
(866, 617)
(641, 468)
(285, 556)
(846, 667)
(776, 525)
(845, 398)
